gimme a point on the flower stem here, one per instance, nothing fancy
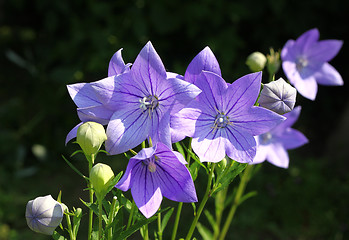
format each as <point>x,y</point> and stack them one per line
<point>240,191</point>
<point>202,204</point>
<point>131,214</point>
<point>111,218</point>
<point>89,185</point>
<point>178,215</point>
<point>159,226</point>
<point>71,234</point>
<point>100,212</point>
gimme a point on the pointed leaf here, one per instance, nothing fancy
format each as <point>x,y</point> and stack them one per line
<point>204,232</point>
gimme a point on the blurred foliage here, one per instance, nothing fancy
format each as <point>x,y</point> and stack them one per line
<point>45,45</point>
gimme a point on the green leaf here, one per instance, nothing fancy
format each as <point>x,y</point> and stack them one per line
<point>204,232</point>
<point>228,175</point>
<point>247,196</point>
<point>134,228</point>
<point>57,236</point>
<point>74,168</point>
<point>210,218</point>
<point>179,148</point>
<point>166,218</point>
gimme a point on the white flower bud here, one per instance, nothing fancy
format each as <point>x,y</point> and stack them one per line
<point>44,214</point>
<point>278,96</point>
<point>256,61</point>
<point>90,136</point>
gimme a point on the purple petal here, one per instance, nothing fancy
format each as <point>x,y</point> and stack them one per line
<point>99,114</point>
<point>117,65</point>
<point>133,166</point>
<point>306,87</point>
<point>184,122</point>
<point>175,94</point>
<point>292,138</point>
<point>241,146</point>
<point>256,121</point>
<point>204,61</point>
<point>328,75</point>
<point>286,53</point>
<point>104,90</point>
<point>148,70</point>
<point>324,51</point>
<point>307,39</point>
<point>127,129</point>
<point>173,177</point>
<point>278,156</point>
<point>72,133</point>
<point>146,191</point>
<point>261,153</point>
<point>210,146</point>
<point>213,88</point>
<point>160,130</point>
<point>242,94</point>
<point>291,118</point>
<point>83,95</point>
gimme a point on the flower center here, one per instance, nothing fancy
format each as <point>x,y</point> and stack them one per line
<point>301,63</point>
<point>265,138</point>
<point>151,166</point>
<point>149,103</point>
<point>221,121</point>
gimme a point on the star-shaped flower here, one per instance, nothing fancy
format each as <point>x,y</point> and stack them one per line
<point>305,62</point>
<point>156,172</point>
<point>273,145</point>
<point>223,120</point>
<point>90,107</point>
<point>142,101</point>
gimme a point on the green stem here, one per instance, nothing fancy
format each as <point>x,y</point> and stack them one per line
<point>189,150</point>
<point>159,226</point>
<point>146,235</point>
<point>220,199</point>
<point>202,204</point>
<point>178,215</point>
<point>111,218</point>
<point>70,230</point>
<point>240,191</point>
<point>131,214</point>
<point>100,213</point>
<point>89,185</point>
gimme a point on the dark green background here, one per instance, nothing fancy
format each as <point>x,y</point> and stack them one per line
<point>45,45</point>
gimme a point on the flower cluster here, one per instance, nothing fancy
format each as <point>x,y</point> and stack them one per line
<point>228,123</point>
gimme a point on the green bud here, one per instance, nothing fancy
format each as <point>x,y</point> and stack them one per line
<point>90,137</point>
<point>256,61</point>
<point>273,64</point>
<point>100,177</point>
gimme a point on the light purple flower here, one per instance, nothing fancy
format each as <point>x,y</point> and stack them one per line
<point>156,172</point>
<point>90,107</point>
<point>273,145</point>
<point>223,120</point>
<point>142,100</point>
<point>305,62</point>
<point>278,96</point>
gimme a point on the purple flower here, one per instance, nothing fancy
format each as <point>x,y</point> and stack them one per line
<point>223,120</point>
<point>305,62</point>
<point>142,101</point>
<point>90,107</point>
<point>273,145</point>
<point>156,172</point>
